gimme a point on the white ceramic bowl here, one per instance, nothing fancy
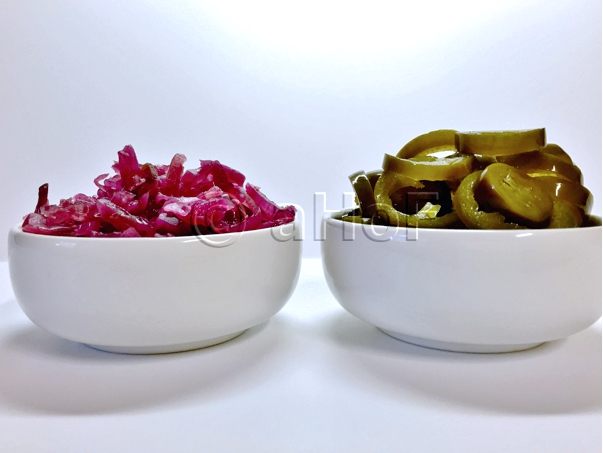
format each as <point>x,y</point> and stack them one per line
<point>153,295</point>
<point>466,290</point>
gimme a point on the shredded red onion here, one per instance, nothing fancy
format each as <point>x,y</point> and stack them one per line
<point>159,201</point>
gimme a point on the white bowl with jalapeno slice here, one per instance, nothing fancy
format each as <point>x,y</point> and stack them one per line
<point>498,255</point>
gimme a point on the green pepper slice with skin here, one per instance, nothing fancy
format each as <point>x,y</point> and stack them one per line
<point>514,194</point>
<point>566,216</point>
<point>439,153</point>
<point>500,143</point>
<point>364,193</point>
<point>429,143</point>
<point>558,152</point>
<point>469,210</point>
<point>373,176</point>
<point>387,184</point>
<point>538,160</point>
<point>427,168</point>
<point>564,189</point>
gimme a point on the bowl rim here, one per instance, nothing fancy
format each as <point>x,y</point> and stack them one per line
<point>17,229</point>
<point>330,218</point>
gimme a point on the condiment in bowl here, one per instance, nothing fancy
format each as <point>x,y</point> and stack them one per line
<point>466,290</point>
<point>153,295</point>
<point>469,241</point>
<point>159,260</point>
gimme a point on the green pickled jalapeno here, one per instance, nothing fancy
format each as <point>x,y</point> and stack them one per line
<point>500,143</point>
<point>364,193</point>
<point>481,180</point>
<point>507,190</point>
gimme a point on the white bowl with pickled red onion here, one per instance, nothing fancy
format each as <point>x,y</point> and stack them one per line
<point>153,295</point>
<point>159,260</point>
<point>466,290</point>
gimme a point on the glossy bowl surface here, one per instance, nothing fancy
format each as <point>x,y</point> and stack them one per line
<point>153,295</point>
<point>466,290</point>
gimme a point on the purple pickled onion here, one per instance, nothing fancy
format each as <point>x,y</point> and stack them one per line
<point>162,169</point>
<point>167,224</point>
<point>269,209</point>
<point>216,214</point>
<point>128,168</point>
<point>88,228</point>
<point>212,192</point>
<point>122,198</point>
<point>150,172</point>
<point>179,207</point>
<point>140,205</point>
<point>42,197</point>
<point>108,186</point>
<point>221,175</point>
<point>210,173</point>
<point>130,233</point>
<point>79,207</point>
<point>223,215</point>
<point>99,179</point>
<point>171,185</point>
<point>56,214</point>
<point>36,223</point>
<point>121,220</point>
<point>159,201</point>
<point>272,214</point>
<point>193,183</point>
<point>283,216</point>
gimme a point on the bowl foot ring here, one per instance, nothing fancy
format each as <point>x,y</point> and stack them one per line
<point>181,347</point>
<point>461,347</point>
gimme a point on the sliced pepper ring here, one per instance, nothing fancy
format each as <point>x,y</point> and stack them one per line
<point>364,193</point>
<point>558,152</point>
<point>431,142</point>
<point>539,160</point>
<point>387,184</point>
<point>500,143</point>
<point>566,215</point>
<point>427,168</point>
<point>469,211</point>
<point>373,176</point>
<point>564,189</point>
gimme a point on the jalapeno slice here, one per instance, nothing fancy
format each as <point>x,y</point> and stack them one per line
<point>390,182</point>
<point>558,152</point>
<point>364,193</point>
<point>513,194</point>
<point>428,168</point>
<point>538,160</point>
<point>500,143</point>
<point>562,188</point>
<point>429,143</point>
<point>470,212</point>
<point>373,176</point>
<point>566,216</point>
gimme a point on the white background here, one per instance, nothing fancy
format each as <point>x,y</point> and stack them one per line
<point>296,95</point>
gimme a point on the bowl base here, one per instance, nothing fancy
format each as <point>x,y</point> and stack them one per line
<point>461,347</point>
<point>181,347</point>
